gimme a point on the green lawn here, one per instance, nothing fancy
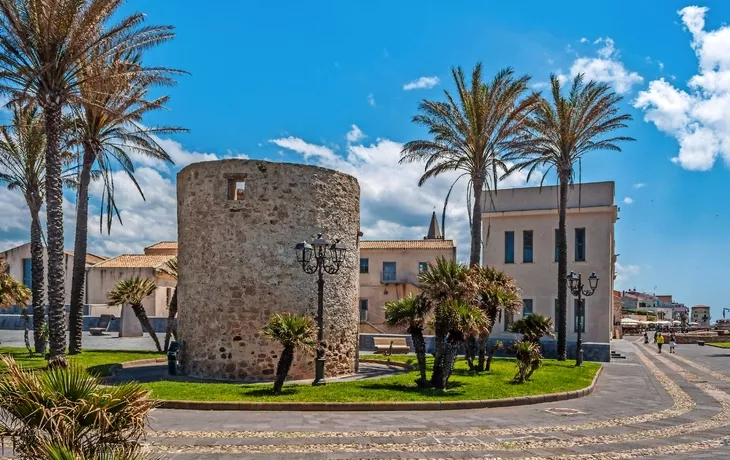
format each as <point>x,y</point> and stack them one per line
<point>719,344</point>
<point>553,377</point>
<point>97,362</point>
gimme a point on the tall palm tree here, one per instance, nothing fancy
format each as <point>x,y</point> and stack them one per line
<point>132,292</point>
<point>106,129</point>
<point>43,48</point>
<point>171,268</point>
<point>562,130</point>
<point>22,167</point>
<point>470,133</point>
<point>411,313</point>
<point>292,331</point>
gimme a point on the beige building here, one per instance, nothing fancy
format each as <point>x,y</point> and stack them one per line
<point>19,261</point>
<point>102,277</point>
<point>389,271</point>
<point>701,315</point>
<point>519,234</point>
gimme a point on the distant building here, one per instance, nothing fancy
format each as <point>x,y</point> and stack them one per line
<point>701,315</point>
<point>389,270</point>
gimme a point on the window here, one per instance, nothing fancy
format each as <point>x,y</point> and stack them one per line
<point>422,267</point>
<point>556,318</point>
<point>363,309</point>
<point>557,245</point>
<point>388,271</point>
<point>28,273</point>
<point>580,244</point>
<point>578,318</point>
<point>526,307</point>
<point>527,246</point>
<point>236,188</point>
<point>364,265</point>
<point>509,318</point>
<point>509,247</point>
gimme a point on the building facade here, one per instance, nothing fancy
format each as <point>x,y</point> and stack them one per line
<point>519,233</point>
<point>701,315</point>
<point>389,271</point>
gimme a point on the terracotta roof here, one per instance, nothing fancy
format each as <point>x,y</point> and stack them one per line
<point>163,245</point>
<point>135,261</point>
<point>407,244</point>
<point>91,259</point>
<point>700,306</point>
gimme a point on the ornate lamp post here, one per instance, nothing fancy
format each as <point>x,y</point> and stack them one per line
<point>317,257</point>
<point>577,288</point>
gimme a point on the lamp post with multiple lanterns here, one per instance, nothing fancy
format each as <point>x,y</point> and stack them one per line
<point>320,256</point>
<point>578,289</point>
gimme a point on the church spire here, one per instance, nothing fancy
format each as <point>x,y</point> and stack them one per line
<point>434,233</point>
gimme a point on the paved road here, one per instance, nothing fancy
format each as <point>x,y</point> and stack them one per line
<point>648,406</point>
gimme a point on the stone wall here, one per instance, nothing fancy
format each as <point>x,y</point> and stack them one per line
<point>237,264</point>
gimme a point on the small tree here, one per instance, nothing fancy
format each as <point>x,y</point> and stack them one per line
<point>171,269</point>
<point>411,312</point>
<point>292,331</point>
<point>13,292</point>
<point>533,327</point>
<point>529,359</point>
<point>133,291</point>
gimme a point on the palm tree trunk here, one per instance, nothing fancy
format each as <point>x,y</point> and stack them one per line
<point>145,322</point>
<point>54,222</point>
<point>282,368</point>
<point>438,360</point>
<point>562,268</point>
<point>484,339</point>
<point>419,345</point>
<point>172,312</point>
<point>78,277</point>
<point>451,348</point>
<point>36,262</point>
<point>471,348</point>
<point>476,223</point>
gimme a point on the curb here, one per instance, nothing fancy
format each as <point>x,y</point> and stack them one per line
<point>379,406</point>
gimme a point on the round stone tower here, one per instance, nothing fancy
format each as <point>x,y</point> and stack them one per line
<point>238,223</point>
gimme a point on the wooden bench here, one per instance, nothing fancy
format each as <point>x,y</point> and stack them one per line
<point>391,345</point>
<point>104,322</point>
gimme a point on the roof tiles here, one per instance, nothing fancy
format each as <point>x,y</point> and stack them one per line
<point>407,244</point>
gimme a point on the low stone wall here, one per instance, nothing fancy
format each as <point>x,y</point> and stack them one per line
<point>707,337</point>
<point>15,322</point>
<point>592,351</point>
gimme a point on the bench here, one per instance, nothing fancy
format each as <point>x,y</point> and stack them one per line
<point>104,322</point>
<point>391,345</point>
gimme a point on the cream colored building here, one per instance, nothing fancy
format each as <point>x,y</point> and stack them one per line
<point>519,234</point>
<point>19,261</point>
<point>701,315</point>
<point>103,276</point>
<point>389,271</point>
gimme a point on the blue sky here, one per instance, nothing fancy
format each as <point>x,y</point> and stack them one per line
<point>325,82</point>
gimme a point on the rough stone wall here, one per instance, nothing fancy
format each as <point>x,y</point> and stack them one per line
<point>237,265</point>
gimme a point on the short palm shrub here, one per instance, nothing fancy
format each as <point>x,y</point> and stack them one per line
<point>529,359</point>
<point>292,331</point>
<point>495,348</point>
<point>69,411</point>
<point>533,327</point>
<point>133,291</point>
<point>411,312</point>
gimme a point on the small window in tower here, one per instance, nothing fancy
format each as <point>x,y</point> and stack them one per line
<point>236,189</point>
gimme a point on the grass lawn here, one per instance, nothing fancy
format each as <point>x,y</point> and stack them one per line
<point>719,344</point>
<point>97,362</point>
<point>553,377</point>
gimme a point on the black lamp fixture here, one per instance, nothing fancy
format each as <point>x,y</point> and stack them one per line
<point>577,288</point>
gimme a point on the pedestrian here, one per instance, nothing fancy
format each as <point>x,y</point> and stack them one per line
<point>646,337</point>
<point>660,342</point>
<point>672,342</point>
<point>656,334</point>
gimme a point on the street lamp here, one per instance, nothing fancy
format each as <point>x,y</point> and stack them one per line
<point>577,288</point>
<point>317,257</point>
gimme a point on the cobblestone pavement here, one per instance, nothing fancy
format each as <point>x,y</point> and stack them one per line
<point>648,406</point>
<point>108,341</point>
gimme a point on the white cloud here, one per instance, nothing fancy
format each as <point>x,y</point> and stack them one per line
<point>583,40</point>
<point>699,117</point>
<point>371,100</point>
<point>640,185</point>
<point>606,67</point>
<point>355,134</point>
<point>306,149</point>
<point>628,200</point>
<point>421,83</point>
<point>624,274</point>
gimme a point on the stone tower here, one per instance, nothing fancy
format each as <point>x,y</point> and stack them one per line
<point>238,223</point>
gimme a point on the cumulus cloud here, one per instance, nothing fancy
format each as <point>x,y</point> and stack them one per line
<point>624,275</point>
<point>698,117</point>
<point>628,200</point>
<point>640,185</point>
<point>355,134</point>
<point>371,100</point>
<point>421,83</point>
<point>606,67</point>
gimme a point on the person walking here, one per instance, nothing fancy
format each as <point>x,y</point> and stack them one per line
<point>646,337</point>
<point>672,342</point>
<point>656,334</point>
<point>660,342</point>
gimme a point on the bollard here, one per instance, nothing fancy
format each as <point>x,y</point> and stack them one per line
<point>172,358</point>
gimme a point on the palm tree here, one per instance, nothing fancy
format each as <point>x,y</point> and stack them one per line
<point>12,292</point>
<point>292,331</point>
<point>22,167</point>
<point>496,292</point>
<point>561,131</point>
<point>471,133</point>
<point>43,48</point>
<point>528,359</point>
<point>171,268</point>
<point>411,313</point>
<point>132,292</point>
<point>106,128</point>
<point>533,327</point>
